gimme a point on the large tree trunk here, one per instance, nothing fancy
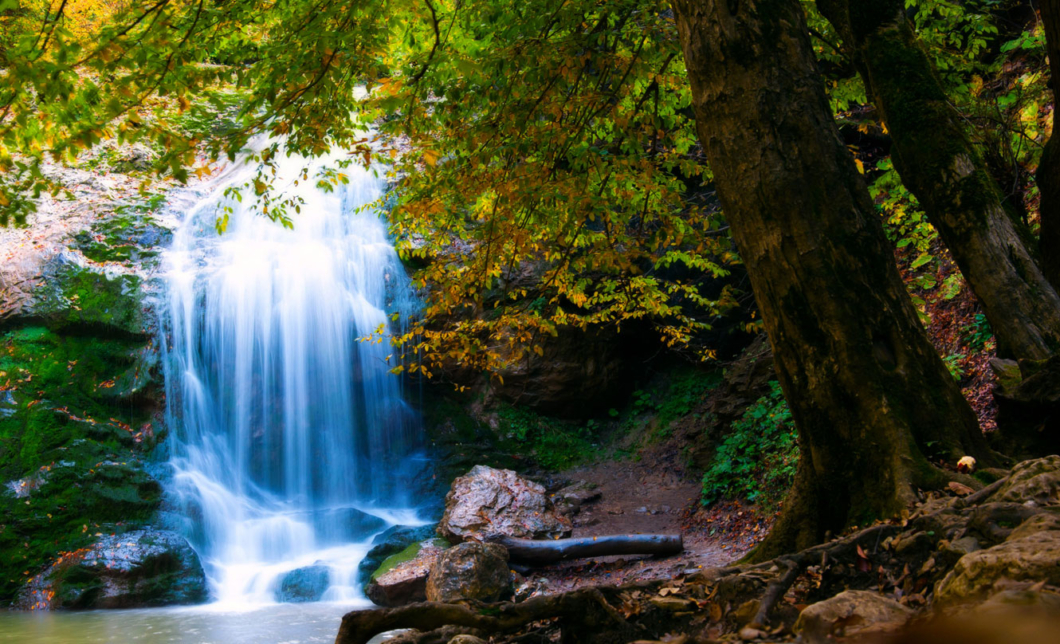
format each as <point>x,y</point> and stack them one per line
<point>867,391</point>
<point>941,166</point>
<point>1049,168</point>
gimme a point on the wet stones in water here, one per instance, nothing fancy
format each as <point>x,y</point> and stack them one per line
<point>304,584</point>
<point>136,569</point>
<point>470,571</point>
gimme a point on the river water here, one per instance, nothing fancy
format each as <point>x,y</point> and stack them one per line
<point>314,623</point>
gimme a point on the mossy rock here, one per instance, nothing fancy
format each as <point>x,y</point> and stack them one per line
<point>78,298</point>
<point>68,447</point>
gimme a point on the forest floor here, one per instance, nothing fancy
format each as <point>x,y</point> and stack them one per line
<point>652,494</point>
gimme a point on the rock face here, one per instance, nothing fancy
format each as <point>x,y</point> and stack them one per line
<point>1037,481</point>
<point>137,569</point>
<point>389,543</point>
<point>1030,557</point>
<point>402,577</point>
<point>854,613</point>
<point>487,502</point>
<point>470,571</point>
<point>304,585</point>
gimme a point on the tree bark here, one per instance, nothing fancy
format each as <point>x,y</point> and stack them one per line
<point>1048,176</point>
<point>867,390</point>
<point>941,166</point>
<point>538,552</point>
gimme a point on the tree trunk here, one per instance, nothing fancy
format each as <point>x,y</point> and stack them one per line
<point>867,390</point>
<point>940,165</point>
<point>1048,176</point>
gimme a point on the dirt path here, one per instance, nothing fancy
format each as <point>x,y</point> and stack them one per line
<point>649,495</point>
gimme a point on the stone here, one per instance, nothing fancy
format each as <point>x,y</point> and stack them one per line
<point>137,569</point>
<point>390,542</point>
<point>1036,480</point>
<point>470,571</point>
<point>402,578</point>
<point>851,613</point>
<point>467,639</point>
<point>1032,557</point>
<point>1035,524</point>
<point>306,584</point>
<point>570,499</point>
<point>487,502</point>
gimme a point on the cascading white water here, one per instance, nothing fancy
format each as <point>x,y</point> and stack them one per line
<point>292,433</point>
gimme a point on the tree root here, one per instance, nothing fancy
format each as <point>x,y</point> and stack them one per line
<point>583,613</point>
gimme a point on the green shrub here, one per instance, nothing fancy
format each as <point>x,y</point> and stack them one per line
<point>553,444</point>
<point>757,460</point>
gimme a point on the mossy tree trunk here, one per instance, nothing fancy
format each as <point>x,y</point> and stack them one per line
<point>1048,176</point>
<point>867,391</point>
<point>940,165</point>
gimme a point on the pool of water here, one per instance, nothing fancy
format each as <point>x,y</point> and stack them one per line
<point>315,623</point>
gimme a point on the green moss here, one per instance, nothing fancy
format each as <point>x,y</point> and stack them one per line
<point>72,445</point>
<point>78,297</point>
<point>408,554</point>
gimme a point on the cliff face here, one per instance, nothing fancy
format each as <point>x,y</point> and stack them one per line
<point>81,392</point>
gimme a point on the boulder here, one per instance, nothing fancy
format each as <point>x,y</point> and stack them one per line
<point>402,577</point>
<point>1033,556</point>
<point>387,543</point>
<point>487,502</point>
<point>851,613</point>
<point>1037,480</point>
<point>571,498</point>
<point>470,571</point>
<point>136,569</point>
<point>306,584</point>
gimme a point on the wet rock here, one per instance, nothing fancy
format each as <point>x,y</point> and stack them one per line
<point>304,584</point>
<point>136,569</point>
<point>1031,557</point>
<point>402,577</point>
<point>388,543</point>
<point>488,502</point>
<point>851,613</point>
<point>470,571</point>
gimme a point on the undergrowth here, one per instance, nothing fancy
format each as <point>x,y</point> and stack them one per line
<point>553,444</point>
<point>757,461</point>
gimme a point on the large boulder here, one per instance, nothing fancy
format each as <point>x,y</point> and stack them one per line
<point>306,584</point>
<point>470,571</point>
<point>402,577</point>
<point>1037,480</point>
<point>851,613</point>
<point>388,543</point>
<point>1031,556</point>
<point>487,502</point>
<point>132,570</point>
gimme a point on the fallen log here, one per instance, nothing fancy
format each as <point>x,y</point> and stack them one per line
<point>530,551</point>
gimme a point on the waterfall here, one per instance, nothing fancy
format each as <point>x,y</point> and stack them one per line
<point>293,440</point>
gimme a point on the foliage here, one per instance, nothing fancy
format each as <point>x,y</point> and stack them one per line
<point>677,399</point>
<point>758,458</point>
<point>553,444</point>
<point>547,158</point>
<point>978,333</point>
